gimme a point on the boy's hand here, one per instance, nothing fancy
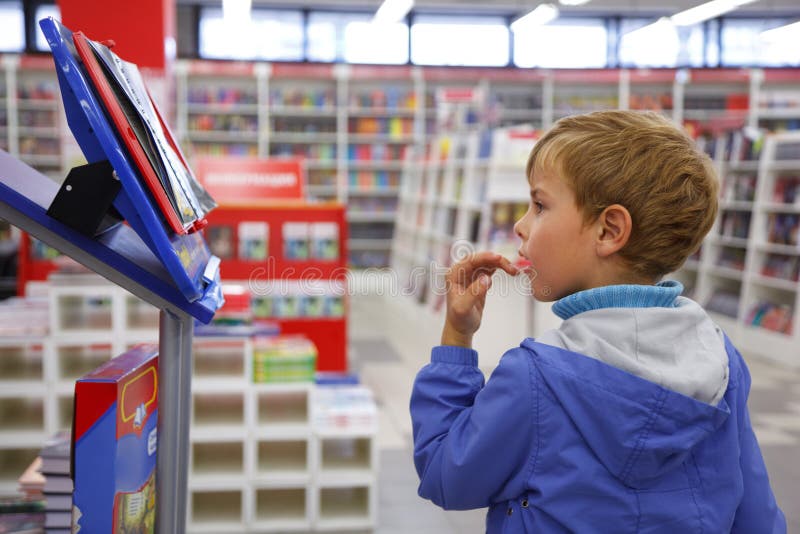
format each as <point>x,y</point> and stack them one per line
<point>468,281</point>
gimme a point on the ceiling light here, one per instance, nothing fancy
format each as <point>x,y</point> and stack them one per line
<point>664,24</point>
<point>393,10</point>
<point>706,11</point>
<point>573,2</point>
<point>540,16</point>
<point>782,33</point>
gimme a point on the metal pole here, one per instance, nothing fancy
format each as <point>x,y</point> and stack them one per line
<point>174,410</point>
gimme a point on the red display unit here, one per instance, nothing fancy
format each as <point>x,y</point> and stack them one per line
<point>31,266</point>
<point>292,257</point>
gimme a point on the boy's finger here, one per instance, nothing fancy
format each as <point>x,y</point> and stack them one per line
<point>483,262</point>
<point>474,295</point>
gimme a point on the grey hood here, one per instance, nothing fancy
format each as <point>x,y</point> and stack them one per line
<point>679,348</point>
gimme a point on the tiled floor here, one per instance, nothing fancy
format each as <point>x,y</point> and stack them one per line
<point>391,339</point>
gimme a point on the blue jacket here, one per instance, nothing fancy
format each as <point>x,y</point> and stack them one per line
<point>556,441</point>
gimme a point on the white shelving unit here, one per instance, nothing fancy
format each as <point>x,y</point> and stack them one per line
<point>24,418</point>
<point>260,460</point>
<point>773,253</point>
<point>747,275</point>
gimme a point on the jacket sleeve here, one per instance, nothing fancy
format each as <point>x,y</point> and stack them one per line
<point>472,441</point>
<point>758,511</point>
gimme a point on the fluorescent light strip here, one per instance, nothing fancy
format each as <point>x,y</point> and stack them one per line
<point>540,16</point>
<point>706,11</point>
<point>654,27</point>
<point>782,33</point>
<point>393,11</point>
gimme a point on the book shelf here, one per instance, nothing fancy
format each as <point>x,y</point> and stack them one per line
<point>770,298</point>
<point>354,123</point>
<point>306,119</point>
<point>522,98</point>
<point>218,109</point>
<point>715,95</point>
<point>31,114</point>
<point>748,268</point>
<point>588,90</point>
<point>775,94</point>
<point>383,120</point>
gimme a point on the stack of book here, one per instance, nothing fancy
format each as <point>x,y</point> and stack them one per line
<point>57,483</point>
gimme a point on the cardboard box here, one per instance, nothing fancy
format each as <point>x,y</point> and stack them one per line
<point>114,444</point>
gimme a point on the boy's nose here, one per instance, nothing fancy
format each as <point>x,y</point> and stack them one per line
<point>518,229</point>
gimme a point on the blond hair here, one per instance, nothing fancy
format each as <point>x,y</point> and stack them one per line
<point>645,163</point>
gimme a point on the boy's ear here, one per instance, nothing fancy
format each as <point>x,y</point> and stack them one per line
<point>614,229</point>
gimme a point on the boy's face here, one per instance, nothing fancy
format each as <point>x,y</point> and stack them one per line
<point>555,240</point>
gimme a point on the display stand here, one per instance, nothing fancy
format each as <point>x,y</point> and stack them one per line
<point>170,270</point>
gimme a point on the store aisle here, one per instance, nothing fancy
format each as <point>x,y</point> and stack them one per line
<point>391,339</point>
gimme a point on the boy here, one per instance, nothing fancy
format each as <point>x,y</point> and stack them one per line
<point>632,416</point>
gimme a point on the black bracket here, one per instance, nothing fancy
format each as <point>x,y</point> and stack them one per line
<point>85,200</point>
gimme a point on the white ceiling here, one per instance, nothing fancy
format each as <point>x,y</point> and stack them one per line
<point>760,8</point>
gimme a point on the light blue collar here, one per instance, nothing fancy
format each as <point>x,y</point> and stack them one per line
<point>661,295</point>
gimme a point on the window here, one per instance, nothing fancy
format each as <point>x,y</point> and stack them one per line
<point>743,46</point>
<point>450,40</point>
<point>712,43</point>
<point>12,38</point>
<point>43,11</point>
<point>268,34</point>
<point>352,37</point>
<point>369,42</point>
<point>662,44</point>
<point>554,45</point>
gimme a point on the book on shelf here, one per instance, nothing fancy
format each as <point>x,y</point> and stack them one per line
<point>772,316</point>
<point>786,190</point>
<point>783,228</point>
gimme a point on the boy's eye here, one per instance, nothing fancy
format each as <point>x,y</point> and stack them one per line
<point>537,206</point>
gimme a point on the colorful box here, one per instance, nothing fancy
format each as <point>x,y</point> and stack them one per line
<point>284,358</point>
<point>114,444</point>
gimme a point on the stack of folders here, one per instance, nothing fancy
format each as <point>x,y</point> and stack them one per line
<point>57,483</point>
